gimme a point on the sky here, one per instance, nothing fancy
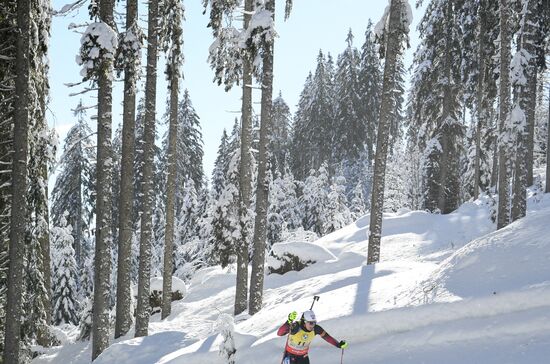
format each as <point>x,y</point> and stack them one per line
<point>313,25</point>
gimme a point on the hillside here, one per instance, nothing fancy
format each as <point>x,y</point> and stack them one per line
<point>449,289</point>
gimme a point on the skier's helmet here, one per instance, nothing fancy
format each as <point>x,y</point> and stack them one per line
<point>309,316</point>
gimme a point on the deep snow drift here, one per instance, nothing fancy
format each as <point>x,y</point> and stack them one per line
<point>449,289</point>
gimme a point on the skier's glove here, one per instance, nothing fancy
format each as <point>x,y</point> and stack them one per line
<point>343,345</point>
<point>292,317</point>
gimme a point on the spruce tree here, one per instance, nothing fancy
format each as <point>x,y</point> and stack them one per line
<point>280,140</point>
<point>370,85</point>
<point>14,307</point>
<point>74,187</point>
<point>436,108</point>
<point>64,289</point>
<point>338,214</point>
<point>349,129</point>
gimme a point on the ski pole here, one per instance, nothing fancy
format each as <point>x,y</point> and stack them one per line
<point>342,357</point>
<point>315,298</point>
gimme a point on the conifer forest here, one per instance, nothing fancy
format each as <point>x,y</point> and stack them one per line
<point>98,228</point>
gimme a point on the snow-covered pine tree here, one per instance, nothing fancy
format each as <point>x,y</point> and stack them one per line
<point>337,212</point>
<point>34,322</point>
<point>301,144</point>
<point>86,278</point>
<point>314,200</point>
<point>395,193</point>
<point>284,211</point>
<point>41,156</point>
<point>370,85</point>
<point>314,120</point>
<point>480,30</point>
<point>436,103</point>
<point>218,173</point>
<point>321,113</point>
<point>275,221</point>
<point>349,128</point>
<point>189,148</point>
<point>74,188</point>
<point>64,288</point>
<point>357,203</point>
<point>226,326</point>
<point>158,240</point>
<point>280,138</point>
<point>225,218</point>
<point>187,244</point>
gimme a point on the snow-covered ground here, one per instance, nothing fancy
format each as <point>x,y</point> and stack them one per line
<point>449,289</point>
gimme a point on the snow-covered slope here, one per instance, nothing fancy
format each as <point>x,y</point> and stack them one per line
<point>449,289</point>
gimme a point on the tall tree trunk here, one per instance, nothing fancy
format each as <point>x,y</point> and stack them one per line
<point>241,289</point>
<point>14,307</point>
<point>526,99</point>
<point>124,299</point>
<point>494,167</point>
<point>449,189</point>
<point>170,195</point>
<point>78,219</point>
<point>143,306</point>
<point>503,218</point>
<point>531,106</point>
<point>480,100</point>
<point>262,189</point>
<point>394,33</point>
<point>547,189</point>
<point>102,274</point>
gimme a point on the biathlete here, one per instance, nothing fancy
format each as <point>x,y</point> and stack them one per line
<point>301,334</point>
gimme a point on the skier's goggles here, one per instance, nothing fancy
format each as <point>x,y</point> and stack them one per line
<point>311,322</point>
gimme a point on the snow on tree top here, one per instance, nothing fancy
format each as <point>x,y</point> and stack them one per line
<point>407,20</point>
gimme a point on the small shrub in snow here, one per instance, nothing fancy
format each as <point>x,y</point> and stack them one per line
<point>179,290</point>
<point>287,263</point>
<point>295,256</point>
<point>226,326</point>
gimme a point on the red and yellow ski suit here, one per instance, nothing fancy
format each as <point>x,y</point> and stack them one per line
<point>299,339</point>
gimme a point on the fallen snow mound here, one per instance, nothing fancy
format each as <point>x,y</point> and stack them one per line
<point>514,258</point>
<point>307,253</point>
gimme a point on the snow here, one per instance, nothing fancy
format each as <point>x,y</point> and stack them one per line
<point>407,19</point>
<point>307,252</point>
<point>449,289</point>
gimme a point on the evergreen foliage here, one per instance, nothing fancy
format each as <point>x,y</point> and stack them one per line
<point>74,190</point>
<point>64,273</point>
